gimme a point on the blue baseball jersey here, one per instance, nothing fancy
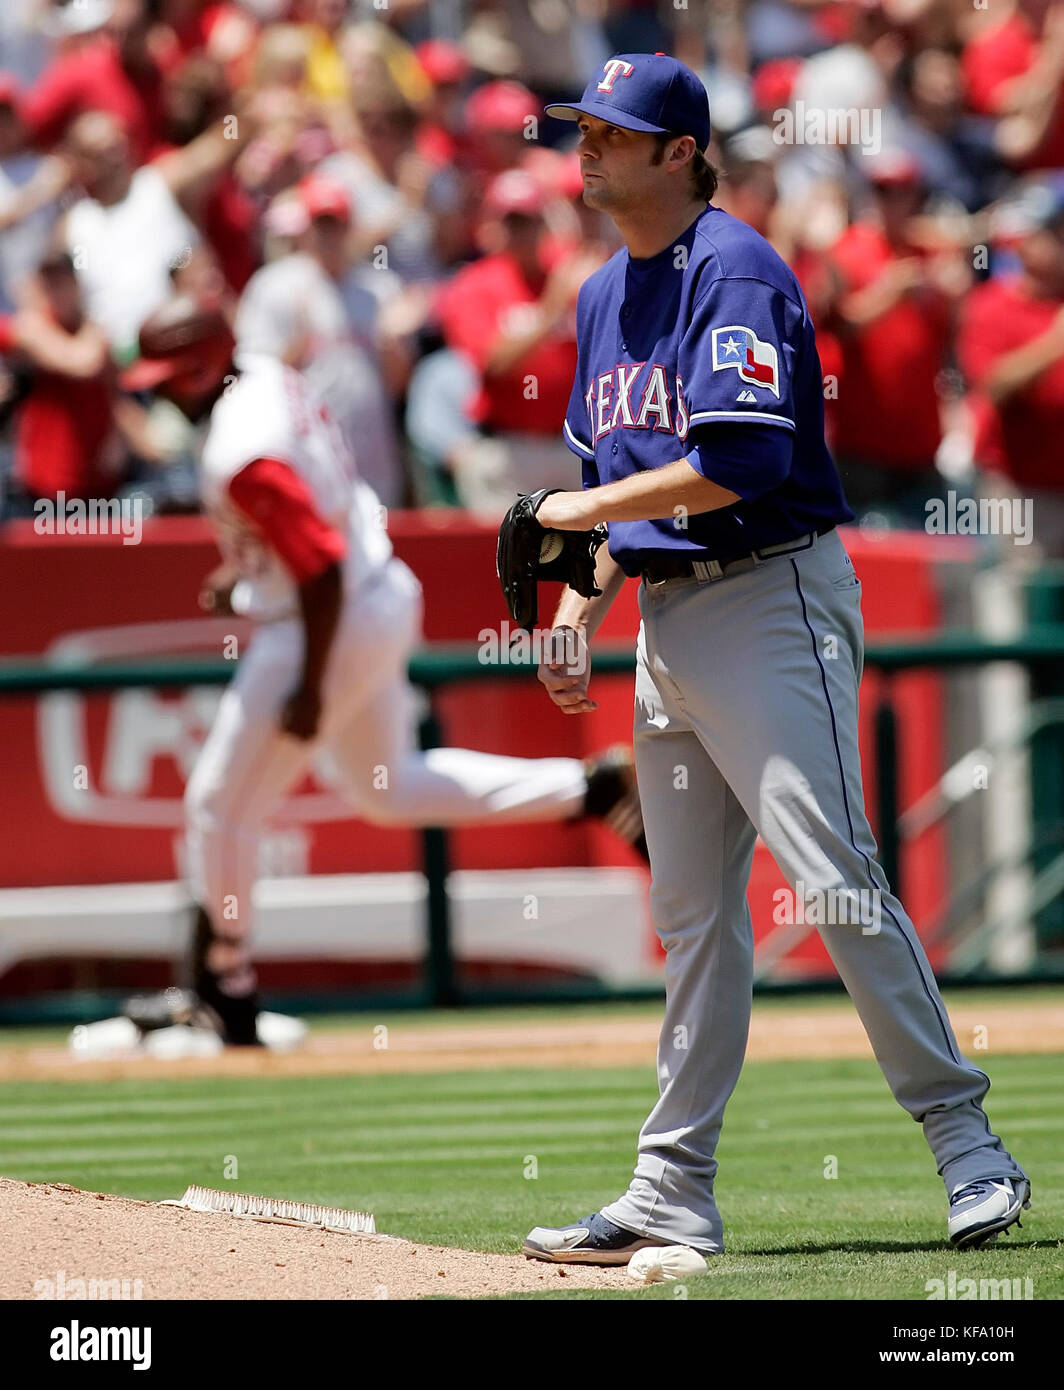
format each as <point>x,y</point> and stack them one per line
<point>706,352</point>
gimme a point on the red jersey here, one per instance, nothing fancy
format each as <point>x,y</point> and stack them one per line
<point>991,60</point>
<point>473,309</point>
<point>61,428</point>
<point>890,365</point>
<point>1024,436</point>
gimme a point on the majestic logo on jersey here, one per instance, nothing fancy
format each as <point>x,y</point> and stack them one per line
<point>615,68</point>
<point>755,361</point>
<point>615,400</point>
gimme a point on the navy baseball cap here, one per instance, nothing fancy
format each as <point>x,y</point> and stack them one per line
<point>644,91</point>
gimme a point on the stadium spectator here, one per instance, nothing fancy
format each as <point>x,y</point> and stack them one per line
<point>512,314</point>
<point>1011,347</point>
<point>108,66</point>
<point>197,98</point>
<point>404,203</point>
<point>131,229</point>
<point>29,188</point>
<point>72,433</point>
<point>441,135</point>
<point>1014,69</point>
<point>326,73</point>
<point>954,147</point>
<point>320,313</point>
<point>502,119</point>
<point>893,316</point>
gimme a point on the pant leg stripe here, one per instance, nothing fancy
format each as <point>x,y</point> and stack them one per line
<point>849,821</point>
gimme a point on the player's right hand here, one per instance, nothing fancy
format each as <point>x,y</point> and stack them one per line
<point>216,591</point>
<point>565,671</point>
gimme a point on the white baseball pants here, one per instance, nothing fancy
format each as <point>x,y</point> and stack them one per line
<point>247,764</point>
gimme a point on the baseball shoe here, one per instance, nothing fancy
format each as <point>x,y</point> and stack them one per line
<point>980,1211</point>
<point>612,795</point>
<point>235,1014</point>
<point>593,1241</point>
<point>169,1008</point>
<point>234,1021</point>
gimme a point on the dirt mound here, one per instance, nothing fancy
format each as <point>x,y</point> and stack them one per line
<point>88,1244</point>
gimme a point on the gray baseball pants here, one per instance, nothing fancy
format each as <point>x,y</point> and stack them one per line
<point>746,725</point>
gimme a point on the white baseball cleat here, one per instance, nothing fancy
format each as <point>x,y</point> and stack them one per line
<point>980,1211</point>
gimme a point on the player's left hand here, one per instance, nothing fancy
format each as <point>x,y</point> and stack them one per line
<point>301,713</point>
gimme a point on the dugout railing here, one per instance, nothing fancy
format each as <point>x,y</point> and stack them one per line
<point>1040,650</point>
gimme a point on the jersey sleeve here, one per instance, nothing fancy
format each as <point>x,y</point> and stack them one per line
<point>278,502</point>
<point>576,430</point>
<point>747,459</point>
<point>577,433</point>
<point>737,358</point>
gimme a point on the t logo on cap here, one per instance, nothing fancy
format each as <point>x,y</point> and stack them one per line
<point>616,67</point>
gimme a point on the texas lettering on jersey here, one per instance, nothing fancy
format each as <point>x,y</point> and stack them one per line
<point>636,396</point>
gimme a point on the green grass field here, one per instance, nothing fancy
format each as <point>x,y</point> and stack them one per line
<point>448,1159</point>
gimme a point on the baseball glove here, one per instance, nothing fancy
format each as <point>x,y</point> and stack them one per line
<point>529,552</point>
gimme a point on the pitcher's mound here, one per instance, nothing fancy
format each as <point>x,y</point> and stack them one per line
<point>61,1242</point>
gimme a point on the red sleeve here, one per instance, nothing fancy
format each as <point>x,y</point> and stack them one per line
<point>276,499</point>
<point>7,333</point>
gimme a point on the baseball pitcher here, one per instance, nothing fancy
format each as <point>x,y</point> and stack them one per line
<point>697,415</point>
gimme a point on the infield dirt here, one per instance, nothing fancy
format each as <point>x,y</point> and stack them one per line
<point>776,1034</point>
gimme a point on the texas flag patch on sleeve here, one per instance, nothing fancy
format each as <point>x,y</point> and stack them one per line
<point>756,362</point>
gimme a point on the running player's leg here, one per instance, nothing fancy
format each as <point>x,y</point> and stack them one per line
<point>371,736</point>
<point>701,845</point>
<point>246,764</point>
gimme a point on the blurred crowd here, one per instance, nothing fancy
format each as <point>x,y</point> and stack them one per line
<point>373,193</point>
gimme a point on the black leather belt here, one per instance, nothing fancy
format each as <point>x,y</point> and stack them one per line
<point>685,565</point>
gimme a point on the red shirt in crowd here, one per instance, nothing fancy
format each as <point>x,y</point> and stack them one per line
<point>91,77</point>
<point>887,411</point>
<point>1025,436</point>
<point>61,429</point>
<point>991,60</point>
<point>473,309</point>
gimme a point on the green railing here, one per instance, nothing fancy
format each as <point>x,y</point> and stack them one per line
<point>444,664</point>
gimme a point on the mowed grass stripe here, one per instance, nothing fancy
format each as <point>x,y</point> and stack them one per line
<point>770,1081</point>
<point>359,1103</point>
